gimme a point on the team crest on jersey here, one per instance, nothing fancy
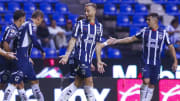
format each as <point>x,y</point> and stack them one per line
<point>160,36</point>
<point>12,31</point>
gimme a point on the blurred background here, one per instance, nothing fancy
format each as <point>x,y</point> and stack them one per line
<point>120,19</point>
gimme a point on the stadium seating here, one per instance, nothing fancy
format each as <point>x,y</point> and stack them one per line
<point>2,8</point>
<point>110,9</point>
<point>46,19</point>
<point>98,1</point>
<point>73,18</point>
<point>133,30</point>
<point>13,6</point>
<point>60,19</point>
<point>113,1</point>
<point>62,8</point>
<point>62,51</point>
<point>139,20</point>
<point>123,20</point>
<point>46,8</point>
<point>29,7</point>
<point>114,53</point>
<point>128,1</point>
<point>172,9</point>
<point>8,18</point>
<point>160,1</point>
<point>141,9</point>
<point>50,53</point>
<point>35,53</point>
<point>126,9</point>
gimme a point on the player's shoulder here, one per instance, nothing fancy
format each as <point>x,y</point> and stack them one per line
<point>11,28</point>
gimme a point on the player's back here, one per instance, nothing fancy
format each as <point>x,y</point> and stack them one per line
<point>24,43</point>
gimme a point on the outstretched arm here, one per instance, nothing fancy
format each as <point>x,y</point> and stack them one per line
<point>173,54</point>
<point>69,50</point>
<point>126,40</point>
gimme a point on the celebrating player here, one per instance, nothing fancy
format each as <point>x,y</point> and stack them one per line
<point>153,38</point>
<point>26,40</point>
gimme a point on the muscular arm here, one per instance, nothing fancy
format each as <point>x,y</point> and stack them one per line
<point>70,46</point>
<point>98,51</point>
<point>6,46</point>
<point>172,52</point>
<point>126,40</point>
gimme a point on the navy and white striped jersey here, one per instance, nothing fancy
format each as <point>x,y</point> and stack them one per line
<point>10,36</point>
<point>87,35</point>
<point>27,37</point>
<point>153,42</point>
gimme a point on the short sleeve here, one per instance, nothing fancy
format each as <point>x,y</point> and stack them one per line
<point>10,34</point>
<point>76,30</point>
<point>99,33</point>
<point>139,35</point>
<point>166,39</point>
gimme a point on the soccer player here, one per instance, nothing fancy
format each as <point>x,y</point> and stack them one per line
<point>87,33</point>
<point>9,43</point>
<point>153,38</point>
<point>26,40</point>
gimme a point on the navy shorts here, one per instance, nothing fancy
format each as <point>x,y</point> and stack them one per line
<point>6,67</point>
<point>25,72</point>
<point>152,72</point>
<point>80,69</point>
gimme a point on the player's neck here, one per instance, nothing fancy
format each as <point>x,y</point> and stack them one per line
<point>34,21</point>
<point>17,24</point>
<point>155,27</point>
<point>92,20</point>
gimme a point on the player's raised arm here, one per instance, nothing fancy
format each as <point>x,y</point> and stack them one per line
<point>125,40</point>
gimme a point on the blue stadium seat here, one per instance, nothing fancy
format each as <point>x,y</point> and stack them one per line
<point>126,9</point>
<point>139,20</point>
<point>35,53</point>
<point>46,19</point>
<point>60,19</point>
<point>113,1</point>
<point>2,8</point>
<point>8,18</point>
<point>172,9</point>
<point>51,1</point>
<point>62,51</point>
<point>62,8</point>
<point>102,54</point>
<point>141,9</point>
<point>28,16</point>
<point>36,1</point>
<point>159,1</point>
<point>46,8</point>
<point>173,1</point>
<point>128,1</point>
<point>114,53</point>
<point>133,30</point>
<point>50,53</point>
<point>98,1</point>
<point>110,9</point>
<point>73,18</point>
<point>123,20</point>
<point>4,0</point>
<point>13,6</point>
<point>29,7</point>
<point>19,0</point>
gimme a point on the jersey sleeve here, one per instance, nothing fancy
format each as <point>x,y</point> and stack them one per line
<point>166,39</point>
<point>32,34</point>
<point>76,30</point>
<point>139,35</point>
<point>99,34</point>
<point>9,34</point>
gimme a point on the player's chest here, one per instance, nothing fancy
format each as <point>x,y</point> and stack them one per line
<point>153,36</point>
<point>90,30</point>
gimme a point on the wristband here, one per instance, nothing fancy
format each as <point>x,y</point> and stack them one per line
<point>105,43</point>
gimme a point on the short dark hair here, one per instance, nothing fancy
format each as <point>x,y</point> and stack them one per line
<point>37,13</point>
<point>175,20</point>
<point>154,15</point>
<point>18,14</point>
<point>91,4</point>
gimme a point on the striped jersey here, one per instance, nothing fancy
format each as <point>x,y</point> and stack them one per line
<point>27,37</point>
<point>87,35</point>
<point>153,42</point>
<point>10,36</point>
